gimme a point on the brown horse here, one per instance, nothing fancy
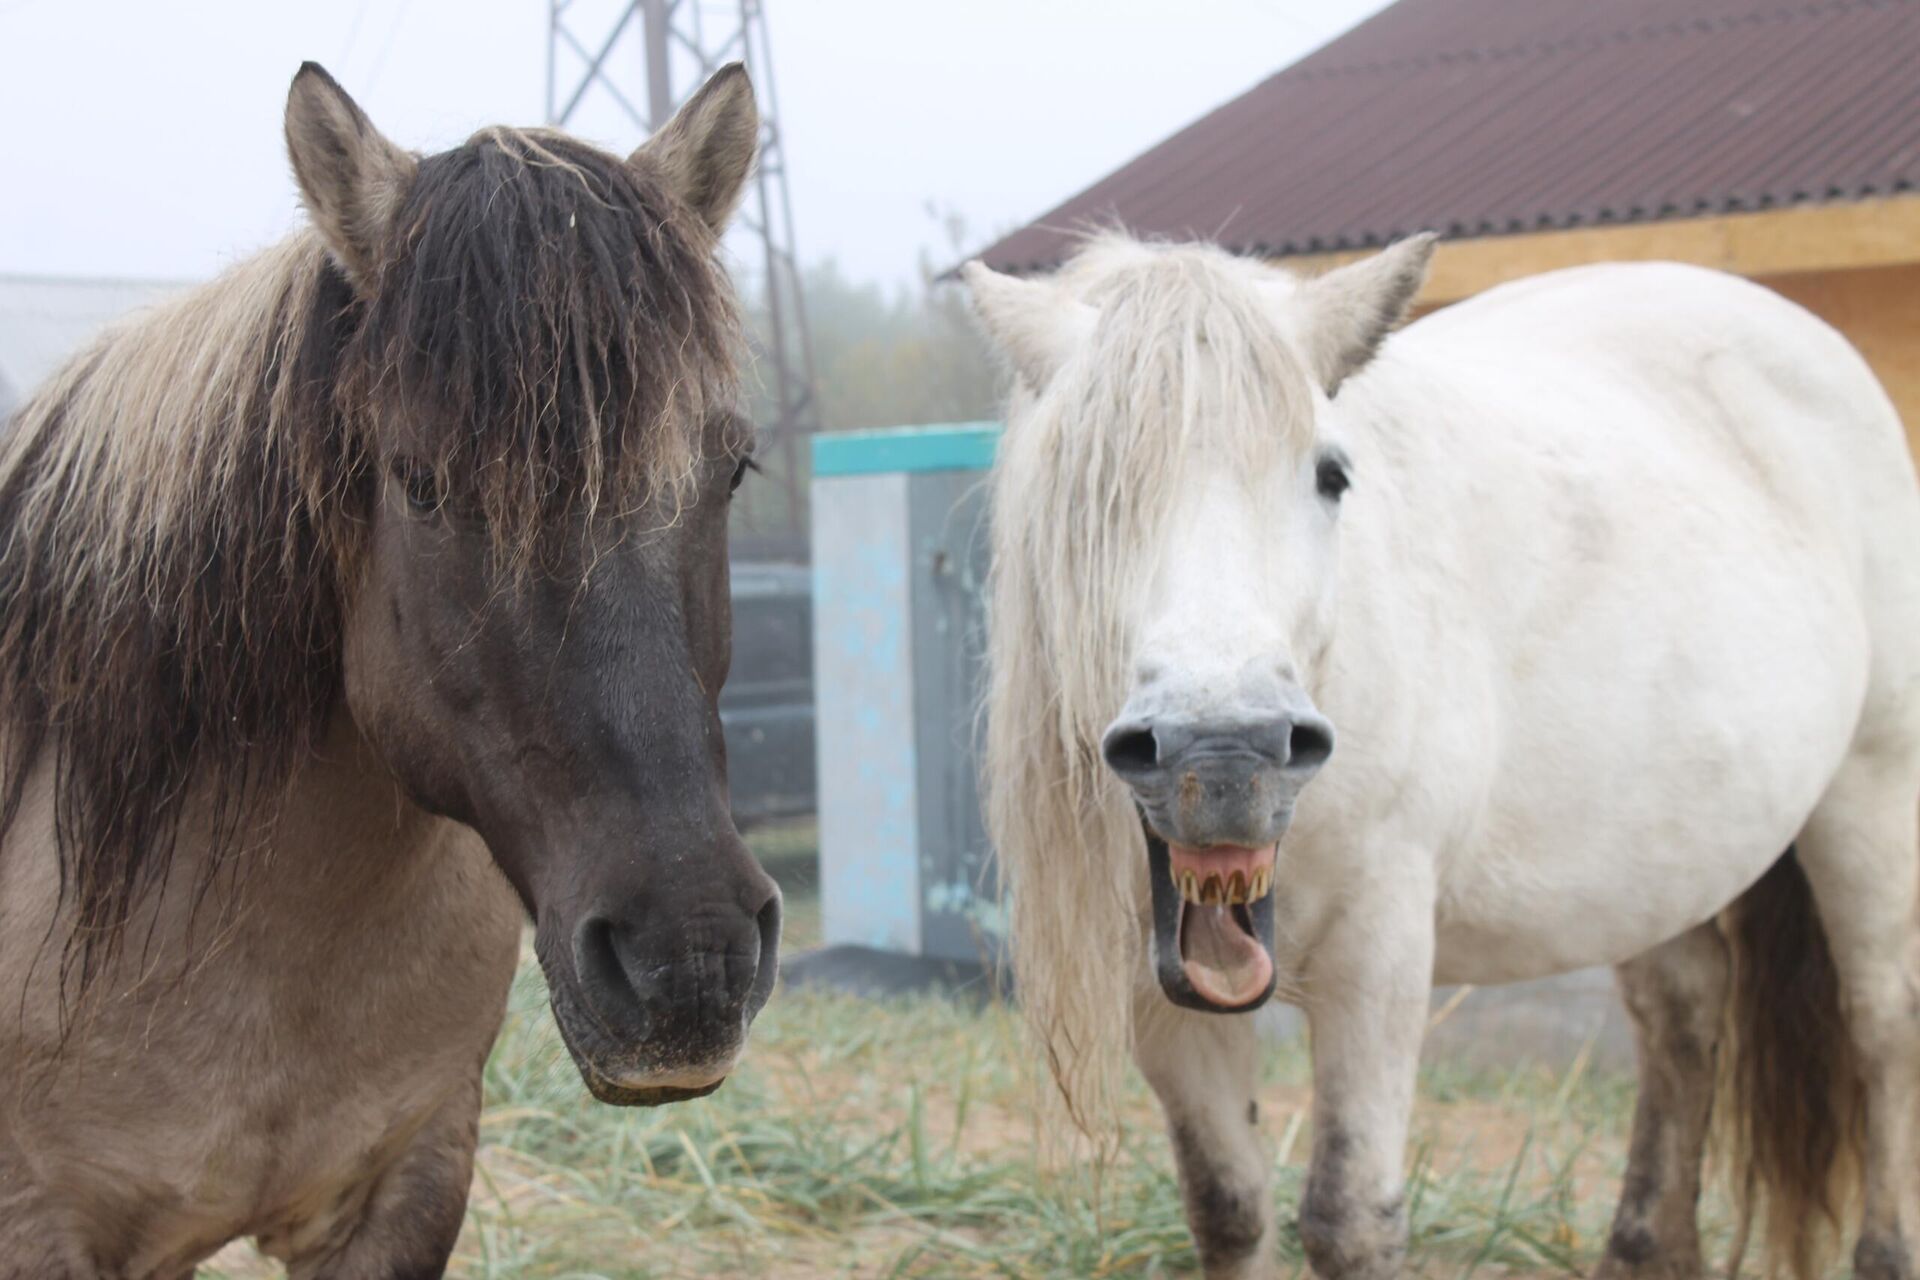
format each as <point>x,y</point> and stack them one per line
<point>374,586</point>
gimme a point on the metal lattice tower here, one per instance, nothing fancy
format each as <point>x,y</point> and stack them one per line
<point>620,65</point>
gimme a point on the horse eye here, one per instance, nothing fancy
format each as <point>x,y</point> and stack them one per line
<point>745,465</point>
<point>419,482</point>
<point>1331,479</point>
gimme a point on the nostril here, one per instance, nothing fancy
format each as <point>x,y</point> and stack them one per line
<point>594,959</point>
<point>1308,745</point>
<point>768,920</point>
<point>1131,749</point>
<point>601,972</point>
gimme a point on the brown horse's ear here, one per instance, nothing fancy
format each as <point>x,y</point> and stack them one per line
<point>350,176</point>
<point>1350,310</point>
<point>705,152</point>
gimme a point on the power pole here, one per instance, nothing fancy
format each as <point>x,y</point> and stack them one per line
<point>609,56</point>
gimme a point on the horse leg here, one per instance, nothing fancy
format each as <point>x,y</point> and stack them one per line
<point>1204,1067</point>
<point>26,1254</point>
<point>407,1228</point>
<point>1861,854</point>
<point>1675,995</point>
<point>1371,984</point>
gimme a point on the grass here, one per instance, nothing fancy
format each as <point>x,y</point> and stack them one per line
<point>897,1140</point>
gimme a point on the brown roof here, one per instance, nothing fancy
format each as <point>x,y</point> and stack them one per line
<point>1487,117</point>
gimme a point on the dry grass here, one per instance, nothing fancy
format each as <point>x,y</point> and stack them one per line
<point>894,1140</point>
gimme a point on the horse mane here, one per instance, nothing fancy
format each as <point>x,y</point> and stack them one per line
<point>183,506</point>
<point>1186,359</point>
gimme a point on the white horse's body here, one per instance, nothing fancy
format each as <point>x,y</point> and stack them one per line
<point>1628,549</point>
<point>1624,601</point>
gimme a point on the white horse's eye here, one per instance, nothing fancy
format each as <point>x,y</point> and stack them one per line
<point>1331,479</point>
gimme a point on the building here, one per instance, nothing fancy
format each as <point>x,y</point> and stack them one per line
<point>1777,140</point>
<point>45,319</point>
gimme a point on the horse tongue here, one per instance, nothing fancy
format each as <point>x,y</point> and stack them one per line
<point>1224,962</point>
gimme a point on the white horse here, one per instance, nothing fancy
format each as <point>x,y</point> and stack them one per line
<point>1608,584</point>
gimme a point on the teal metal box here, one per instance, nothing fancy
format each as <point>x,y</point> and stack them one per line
<point>899,563</point>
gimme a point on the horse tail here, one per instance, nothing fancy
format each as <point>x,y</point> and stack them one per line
<point>1790,1123</point>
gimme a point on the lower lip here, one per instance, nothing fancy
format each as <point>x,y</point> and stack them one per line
<point>655,1097</point>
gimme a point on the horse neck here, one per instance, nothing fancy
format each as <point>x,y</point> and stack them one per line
<point>1402,570</point>
<point>358,898</point>
<point>352,862</point>
<point>341,861</point>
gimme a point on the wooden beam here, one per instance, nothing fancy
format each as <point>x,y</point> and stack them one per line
<point>1827,237</point>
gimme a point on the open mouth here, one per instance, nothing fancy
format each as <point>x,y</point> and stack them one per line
<point>1223,959</point>
<point>1212,924</point>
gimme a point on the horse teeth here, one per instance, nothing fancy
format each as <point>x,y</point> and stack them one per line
<point>1235,888</point>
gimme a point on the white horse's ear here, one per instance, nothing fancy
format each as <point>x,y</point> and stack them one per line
<point>352,179</point>
<point>1347,313</point>
<point>1036,324</point>
<point>705,152</point>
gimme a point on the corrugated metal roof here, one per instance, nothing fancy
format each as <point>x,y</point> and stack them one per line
<point>1489,117</point>
<point>45,319</point>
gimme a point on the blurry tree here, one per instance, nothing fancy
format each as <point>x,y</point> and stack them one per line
<point>883,357</point>
<point>892,357</point>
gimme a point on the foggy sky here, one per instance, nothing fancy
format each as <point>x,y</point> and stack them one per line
<point>143,139</point>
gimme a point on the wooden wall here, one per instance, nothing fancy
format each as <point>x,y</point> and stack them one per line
<point>1879,309</point>
<point>1856,264</point>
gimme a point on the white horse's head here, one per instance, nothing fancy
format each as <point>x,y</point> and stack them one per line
<point>1170,495</point>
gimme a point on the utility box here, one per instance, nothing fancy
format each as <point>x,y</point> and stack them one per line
<point>899,567</point>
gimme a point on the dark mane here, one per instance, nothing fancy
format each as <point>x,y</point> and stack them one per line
<point>182,507</point>
<point>556,324</point>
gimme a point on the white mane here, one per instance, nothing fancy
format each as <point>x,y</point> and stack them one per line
<point>1187,357</point>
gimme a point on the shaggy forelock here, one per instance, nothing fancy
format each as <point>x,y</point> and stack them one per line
<point>553,331</point>
<point>183,506</point>
<point>1186,362</point>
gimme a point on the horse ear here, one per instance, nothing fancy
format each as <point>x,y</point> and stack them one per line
<point>706,150</point>
<point>1036,324</point>
<point>350,176</point>
<point>1349,311</point>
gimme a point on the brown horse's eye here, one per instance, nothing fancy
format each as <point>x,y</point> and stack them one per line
<point>420,483</point>
<point>745,465</point>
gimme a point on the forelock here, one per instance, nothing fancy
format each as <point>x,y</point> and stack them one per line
<point>553,331</point>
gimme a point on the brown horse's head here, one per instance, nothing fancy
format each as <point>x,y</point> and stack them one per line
<point>536,370</point>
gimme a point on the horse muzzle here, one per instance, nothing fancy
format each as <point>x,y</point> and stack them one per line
<point>1205,782</point>
<point>1215,797</point>
<point>652,1020</point>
